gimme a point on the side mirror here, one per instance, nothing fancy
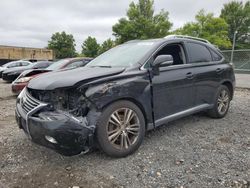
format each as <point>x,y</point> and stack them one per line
<point>164,60</point>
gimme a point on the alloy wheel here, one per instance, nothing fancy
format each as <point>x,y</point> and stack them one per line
<point>223,101</point>
<point>123,128</point>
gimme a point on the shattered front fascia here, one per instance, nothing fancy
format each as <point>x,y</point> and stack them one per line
<point>74,134</point>
<point>81,128</point>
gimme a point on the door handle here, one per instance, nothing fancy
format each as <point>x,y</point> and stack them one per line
<point>189,75</point>
<point>219,70</point>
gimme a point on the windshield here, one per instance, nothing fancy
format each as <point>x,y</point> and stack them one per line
<point>57,65</point>
<point>126,55</point>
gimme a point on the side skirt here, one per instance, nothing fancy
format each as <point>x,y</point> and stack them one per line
<point>181,114</point>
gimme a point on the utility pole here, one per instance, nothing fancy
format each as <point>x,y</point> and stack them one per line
<point>232,53</point>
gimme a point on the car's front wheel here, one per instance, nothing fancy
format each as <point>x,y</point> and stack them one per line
<point>120,129</point>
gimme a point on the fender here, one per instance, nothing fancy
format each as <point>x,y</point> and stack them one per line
<point>135,89</point>
<point>230,84</point>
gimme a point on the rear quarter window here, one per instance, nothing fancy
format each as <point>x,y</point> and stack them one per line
<point>215,56</point>
<point>198,53</point>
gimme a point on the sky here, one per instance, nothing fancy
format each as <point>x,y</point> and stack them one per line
<point>31,23</point>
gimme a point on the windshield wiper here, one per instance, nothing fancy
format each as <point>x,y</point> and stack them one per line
<point>103,66</point>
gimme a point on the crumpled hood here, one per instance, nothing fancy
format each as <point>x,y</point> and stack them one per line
<point>59,79</point>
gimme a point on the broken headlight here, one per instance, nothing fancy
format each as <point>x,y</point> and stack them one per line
<point>69,100</point>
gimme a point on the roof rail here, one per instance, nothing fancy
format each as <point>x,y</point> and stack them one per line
<point>187,37</point>
<point>131,41</point>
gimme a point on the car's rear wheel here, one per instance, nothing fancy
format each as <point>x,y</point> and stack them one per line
<point>222,103</point>
<point>120,129</point>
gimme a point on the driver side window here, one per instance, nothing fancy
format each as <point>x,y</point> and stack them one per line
<point>176,50</point>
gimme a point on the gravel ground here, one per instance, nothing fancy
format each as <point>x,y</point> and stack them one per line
<point>192,152</point>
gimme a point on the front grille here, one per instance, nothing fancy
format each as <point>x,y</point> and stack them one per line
<point>4,76</point>
<point>7,77</point>
<point>28,103</point>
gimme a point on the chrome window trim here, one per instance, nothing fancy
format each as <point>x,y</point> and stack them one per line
<point>187,64</point>
<point>173,67</point>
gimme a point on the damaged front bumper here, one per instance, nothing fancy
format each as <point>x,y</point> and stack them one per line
<point>57,130</point>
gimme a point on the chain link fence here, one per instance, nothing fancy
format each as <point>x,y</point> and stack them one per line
<point>241,59</point>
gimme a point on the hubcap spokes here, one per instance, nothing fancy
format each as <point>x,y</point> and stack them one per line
<point>123,128</point>
<point>223,102</point>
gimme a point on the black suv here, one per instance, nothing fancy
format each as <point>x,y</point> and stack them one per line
<point>118,96</point>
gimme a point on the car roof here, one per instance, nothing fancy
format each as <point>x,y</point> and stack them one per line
<point>177,38</point>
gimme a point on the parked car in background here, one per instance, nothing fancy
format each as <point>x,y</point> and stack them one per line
<point>117,97</point>
<point>11,74</point>
<point>63,64</point>
<point>13,64</point>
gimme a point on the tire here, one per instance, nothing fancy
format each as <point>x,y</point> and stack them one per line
<point>217,111</point>
<point>117,138</point>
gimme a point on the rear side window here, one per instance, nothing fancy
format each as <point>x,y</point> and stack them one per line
<point>198,53</point>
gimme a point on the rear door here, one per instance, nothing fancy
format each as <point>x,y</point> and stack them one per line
<point>208,70</point>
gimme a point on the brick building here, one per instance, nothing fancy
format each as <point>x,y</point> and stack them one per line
<point>10,53</point>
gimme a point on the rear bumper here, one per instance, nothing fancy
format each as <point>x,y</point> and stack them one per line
<point>56,130</point>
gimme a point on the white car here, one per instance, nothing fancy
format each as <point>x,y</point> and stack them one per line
<point>12,64</point>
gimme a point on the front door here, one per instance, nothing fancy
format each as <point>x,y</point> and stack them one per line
<point>173,88</point>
